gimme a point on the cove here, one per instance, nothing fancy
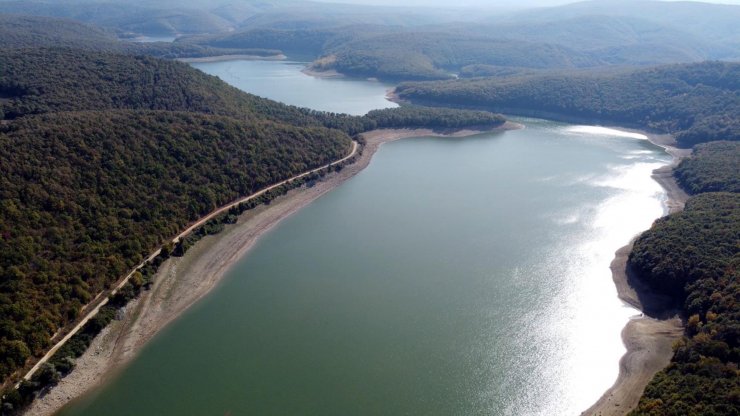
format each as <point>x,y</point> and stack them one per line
<point>452,276</point>
<point>283,81</point>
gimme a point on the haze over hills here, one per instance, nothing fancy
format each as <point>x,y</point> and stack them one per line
<point>73,92</point>
<point>694,102</point>
<point>583,35</point>
<point>108,150</point>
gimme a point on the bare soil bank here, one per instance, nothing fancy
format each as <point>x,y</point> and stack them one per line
<point>322,73</point>
<point>180,282</point>
<point>222,58</point>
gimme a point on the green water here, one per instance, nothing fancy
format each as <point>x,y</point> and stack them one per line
<point>451,277</point>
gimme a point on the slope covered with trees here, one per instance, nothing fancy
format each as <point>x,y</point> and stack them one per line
<point>429,117</point>
<point>713,167</point>
<point>21,31</point>
<point>41,80</point>
<point>38,81</point>
<point>105,156</point>
<point>86,195</point>
<point>694,256</point>
<point>587,35</point>
<point>695,102</point>
<point>150,18</point>
<point>409,56</point>
<point>697,243</point>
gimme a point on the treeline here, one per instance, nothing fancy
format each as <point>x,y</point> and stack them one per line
<point>563,38</point>
<point>14,401</point>
<point>694,256</point>
<point>390,53</point>
<point>43,80</point>
<point>436,56</point>
<point>429,117</point>
<point>694,102</point>
<point>696,243</point>
<point>306,42</point>
<point>84,196</point>
<point>131,16</point>
<point>713,167</point>
<point>20,31</point>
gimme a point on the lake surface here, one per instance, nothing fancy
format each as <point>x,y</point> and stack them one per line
<point>150,39</point>
<point>451,277</point>
<point>283,81</point>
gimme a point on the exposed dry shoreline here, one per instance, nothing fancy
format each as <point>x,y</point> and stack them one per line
<point>222,58</point>
<point>308,70</point>
<point>648,338</point>
<point>180,282</point>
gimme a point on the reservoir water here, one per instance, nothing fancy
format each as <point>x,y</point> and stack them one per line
<point>283,81</point>
<point>451,277</point>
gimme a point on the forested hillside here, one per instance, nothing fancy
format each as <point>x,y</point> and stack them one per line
<point>434,118</point>
<point>45,80</point>
<point>695,102</point>
<point>21,31</point>
<point>698,243</point>
<point>38,81</point>
<point>694,256</point>
<point>105,156</point>
<point>713,167</point>
<point>587,35</point>
<point>148,17</point>
<point>410,56</point>
<point>85,195</point>
<point>401,54</point>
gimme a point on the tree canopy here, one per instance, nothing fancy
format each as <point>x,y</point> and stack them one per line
<point>694,256</point>
<point>713,167</point>
<point>694,102</point>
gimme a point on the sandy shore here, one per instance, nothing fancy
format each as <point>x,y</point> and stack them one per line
<point>322,74</point>
<point>181,282</point>
<point>222,58</point>
<point>648,338</point>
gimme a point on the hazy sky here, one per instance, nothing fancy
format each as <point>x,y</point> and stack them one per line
<point>480,3</point>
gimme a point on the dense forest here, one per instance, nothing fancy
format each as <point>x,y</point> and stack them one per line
<point>695,102</point>
<point>713,167</point>
<point>697,243</point>
<point>694,256</point>
<point>21,31</point>
<point>86,195</point>
<point>155,18</point>
<point>433,56</point>
<point>435,118</point>
<point>41,80</point>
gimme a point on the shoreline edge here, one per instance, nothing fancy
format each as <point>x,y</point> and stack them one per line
<point>181,282</point>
